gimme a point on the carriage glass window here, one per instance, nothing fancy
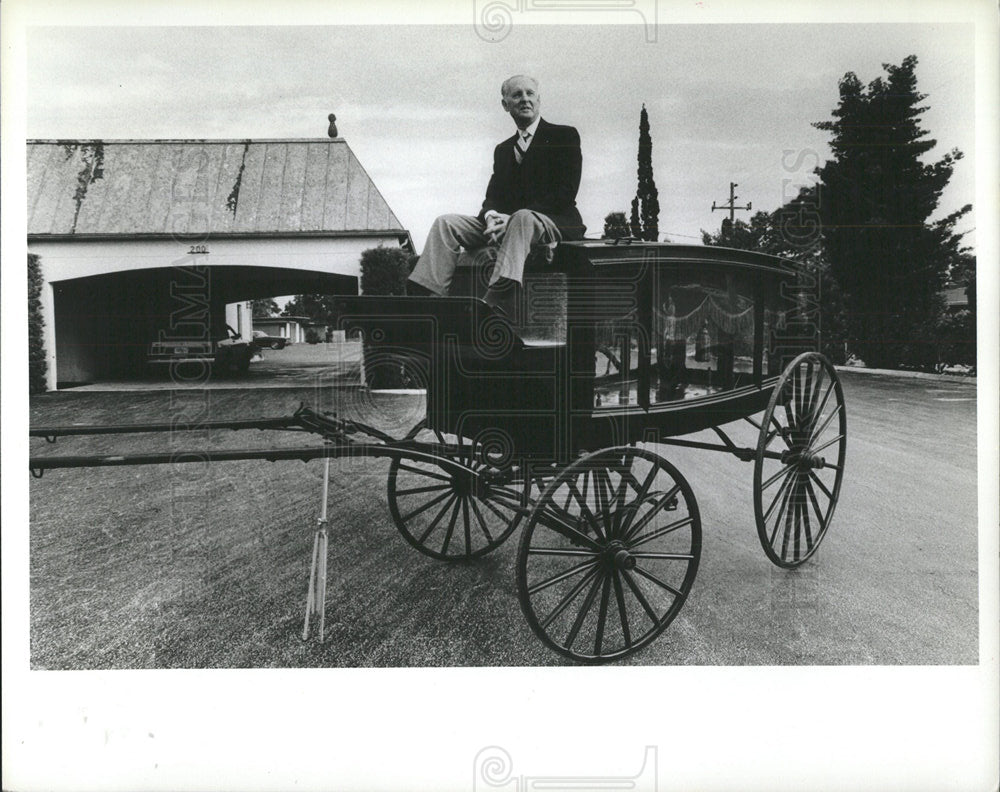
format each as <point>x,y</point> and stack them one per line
<point>703,332</point>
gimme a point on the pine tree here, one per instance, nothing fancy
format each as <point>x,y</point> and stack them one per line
<point>644,220</point>
<point>876,198</point>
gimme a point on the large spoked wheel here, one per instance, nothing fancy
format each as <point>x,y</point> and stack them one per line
<point>609,554</point>
<point>800,460</point>
<point>452,515</point>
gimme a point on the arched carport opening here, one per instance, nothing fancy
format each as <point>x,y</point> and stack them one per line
<point>104,324</point>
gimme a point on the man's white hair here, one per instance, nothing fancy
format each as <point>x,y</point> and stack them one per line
<point>509,80</point>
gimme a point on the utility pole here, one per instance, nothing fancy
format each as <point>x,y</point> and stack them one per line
<point>732,207</point>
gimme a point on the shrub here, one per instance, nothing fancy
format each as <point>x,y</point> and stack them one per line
<point>956,339</point>
<point>312,336</point>
<point>384,270</point>
<point>37,365</point>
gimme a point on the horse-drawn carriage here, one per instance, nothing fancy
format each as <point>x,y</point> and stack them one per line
<point>561,424</point>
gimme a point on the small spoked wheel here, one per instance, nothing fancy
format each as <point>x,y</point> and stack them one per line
<point>799,464</point>
<point>450,514</point>
<point>609,554</point>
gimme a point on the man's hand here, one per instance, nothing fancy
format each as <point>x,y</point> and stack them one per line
<point>496,227</point>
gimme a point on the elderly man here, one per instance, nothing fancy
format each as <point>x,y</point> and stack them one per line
<point>530,201</point>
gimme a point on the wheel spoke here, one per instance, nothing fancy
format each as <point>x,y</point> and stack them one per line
<point>797,508</point>
<point>493,508</point>
<point>549,516</point>
<point>805,519</point>
<point>582,615</point>
<point>827,444</point>
<point>788,525</point>
<point>602,615</point>
<point>622,612</point>
<point>815,504</point>
<point>451,528</point>
<point>640,495</point>
<point>660,532</point>
<point>831,388</point>
<point>778,430</point>
<point>662,503</point>
<point>802,379</point>
<point>826,422</point>
<point>436,520</point>
<point>641,597</point>
<point>564,575</point>
<point>505,496</point>
<point>426,473</point>
<point>482,523</point>
<point>564,603</point>
<point>665,556</point>
<point>467,525</point>
<point>416,490</point>
<point>561,551</point>
<point>821,485</point>
<point>662,584</point>
<point>781,511</point>
<point>810,410</point>
<point>619,503</point>
<point>777,497</point>
<point>603,499</point>
<point>426,506</point>
<point>585,509</point>
<point>776,476</point>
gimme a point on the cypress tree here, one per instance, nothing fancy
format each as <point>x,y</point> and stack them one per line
<point>645,215</point>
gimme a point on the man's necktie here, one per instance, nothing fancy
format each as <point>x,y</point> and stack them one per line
<point>521,146</point>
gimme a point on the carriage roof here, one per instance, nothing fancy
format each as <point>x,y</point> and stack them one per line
<point>601,254</point>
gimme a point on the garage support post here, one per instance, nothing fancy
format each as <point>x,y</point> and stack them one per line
<point>316,596</point>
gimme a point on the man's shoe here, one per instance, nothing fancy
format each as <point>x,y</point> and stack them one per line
<point>504,297</point>
<point>414,289</point>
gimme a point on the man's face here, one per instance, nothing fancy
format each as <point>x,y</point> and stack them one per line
<point>522,101</point>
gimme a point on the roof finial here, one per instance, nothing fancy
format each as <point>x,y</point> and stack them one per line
<point>332,131</point>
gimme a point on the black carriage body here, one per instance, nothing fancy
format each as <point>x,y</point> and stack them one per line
<point>619,344</point>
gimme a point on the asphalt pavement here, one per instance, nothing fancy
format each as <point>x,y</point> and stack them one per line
<point>894,582</point>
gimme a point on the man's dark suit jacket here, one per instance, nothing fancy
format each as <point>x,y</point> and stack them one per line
<point>546,181</point>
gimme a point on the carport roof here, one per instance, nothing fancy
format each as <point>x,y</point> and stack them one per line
<point>185,187</point>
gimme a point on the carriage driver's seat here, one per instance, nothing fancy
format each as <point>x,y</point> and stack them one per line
<point>544,291</point>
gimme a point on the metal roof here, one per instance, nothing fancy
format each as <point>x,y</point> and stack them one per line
<point>127,187</point>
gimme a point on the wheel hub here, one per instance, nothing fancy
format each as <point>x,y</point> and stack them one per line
<point>616,556</point>
<point>802,459</point>
<point>462,485</point>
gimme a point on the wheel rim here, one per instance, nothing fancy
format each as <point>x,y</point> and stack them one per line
<point>609,554</point>
<point>449,515</point>
<point>799,463</point>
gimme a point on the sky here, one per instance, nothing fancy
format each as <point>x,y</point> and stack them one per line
<point>420,105</point>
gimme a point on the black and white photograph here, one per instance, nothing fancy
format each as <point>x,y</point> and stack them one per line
<point>409,400</point>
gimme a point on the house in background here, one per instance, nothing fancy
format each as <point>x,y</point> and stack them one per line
<point>141,240</point>
<point>956,297</point>
<point>291,327</point>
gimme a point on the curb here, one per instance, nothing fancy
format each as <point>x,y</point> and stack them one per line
<point>908,374</point>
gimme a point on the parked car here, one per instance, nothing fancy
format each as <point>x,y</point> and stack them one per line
<point>265,341</point>
<point>230,353</point>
